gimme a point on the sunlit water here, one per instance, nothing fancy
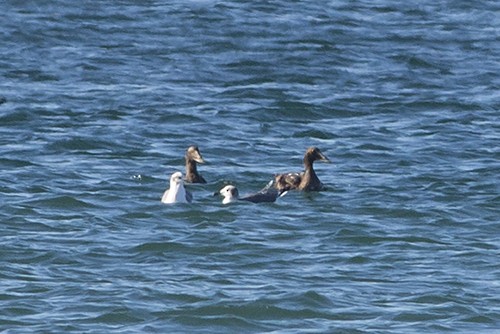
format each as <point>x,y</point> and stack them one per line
<point>99,100</point>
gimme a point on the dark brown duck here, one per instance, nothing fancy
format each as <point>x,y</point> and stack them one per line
<point>306,180</point>
<point>193,156</point>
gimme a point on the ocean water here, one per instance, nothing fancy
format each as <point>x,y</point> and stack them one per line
<point>100,99</point>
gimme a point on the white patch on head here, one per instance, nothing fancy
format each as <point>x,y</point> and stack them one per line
<point>176,178</point>
<point>230,194</point>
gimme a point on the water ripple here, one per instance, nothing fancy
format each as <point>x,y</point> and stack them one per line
<point>98,104</point>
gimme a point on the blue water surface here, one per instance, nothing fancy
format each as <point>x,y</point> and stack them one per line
<point>100,99</point>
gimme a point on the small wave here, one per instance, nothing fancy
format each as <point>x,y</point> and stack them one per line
<point>373,147</point>
<point>318,134</point>
<point>160,247</point>
<point>15,163</point>
<point>78,144</point>
<point>61,202</point>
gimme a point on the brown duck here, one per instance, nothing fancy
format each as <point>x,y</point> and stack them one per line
<point>193,156</point>
<point>306,180</point>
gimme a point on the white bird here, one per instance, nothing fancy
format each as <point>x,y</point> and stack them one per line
<point>176,193</point>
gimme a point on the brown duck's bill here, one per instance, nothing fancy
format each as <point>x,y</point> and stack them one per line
<point>324,158</point>
<point>198,158</point>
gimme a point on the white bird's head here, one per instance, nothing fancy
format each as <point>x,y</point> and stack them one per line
<point>176,178</point>
<point>230,194</point>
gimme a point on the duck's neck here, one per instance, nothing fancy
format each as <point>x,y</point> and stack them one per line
<point>309,177</point>
<point>191,166</point>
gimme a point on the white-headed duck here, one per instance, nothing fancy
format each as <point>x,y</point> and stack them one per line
<point>268,194</point>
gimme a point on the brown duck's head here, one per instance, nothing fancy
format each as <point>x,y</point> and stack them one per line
<point>313,154</point>
<point>193,153</point>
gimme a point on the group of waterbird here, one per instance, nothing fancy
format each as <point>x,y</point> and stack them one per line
<point>307,180</point>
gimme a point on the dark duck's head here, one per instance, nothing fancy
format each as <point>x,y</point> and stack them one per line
<point>192,157</point>
<point>313,154</point>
